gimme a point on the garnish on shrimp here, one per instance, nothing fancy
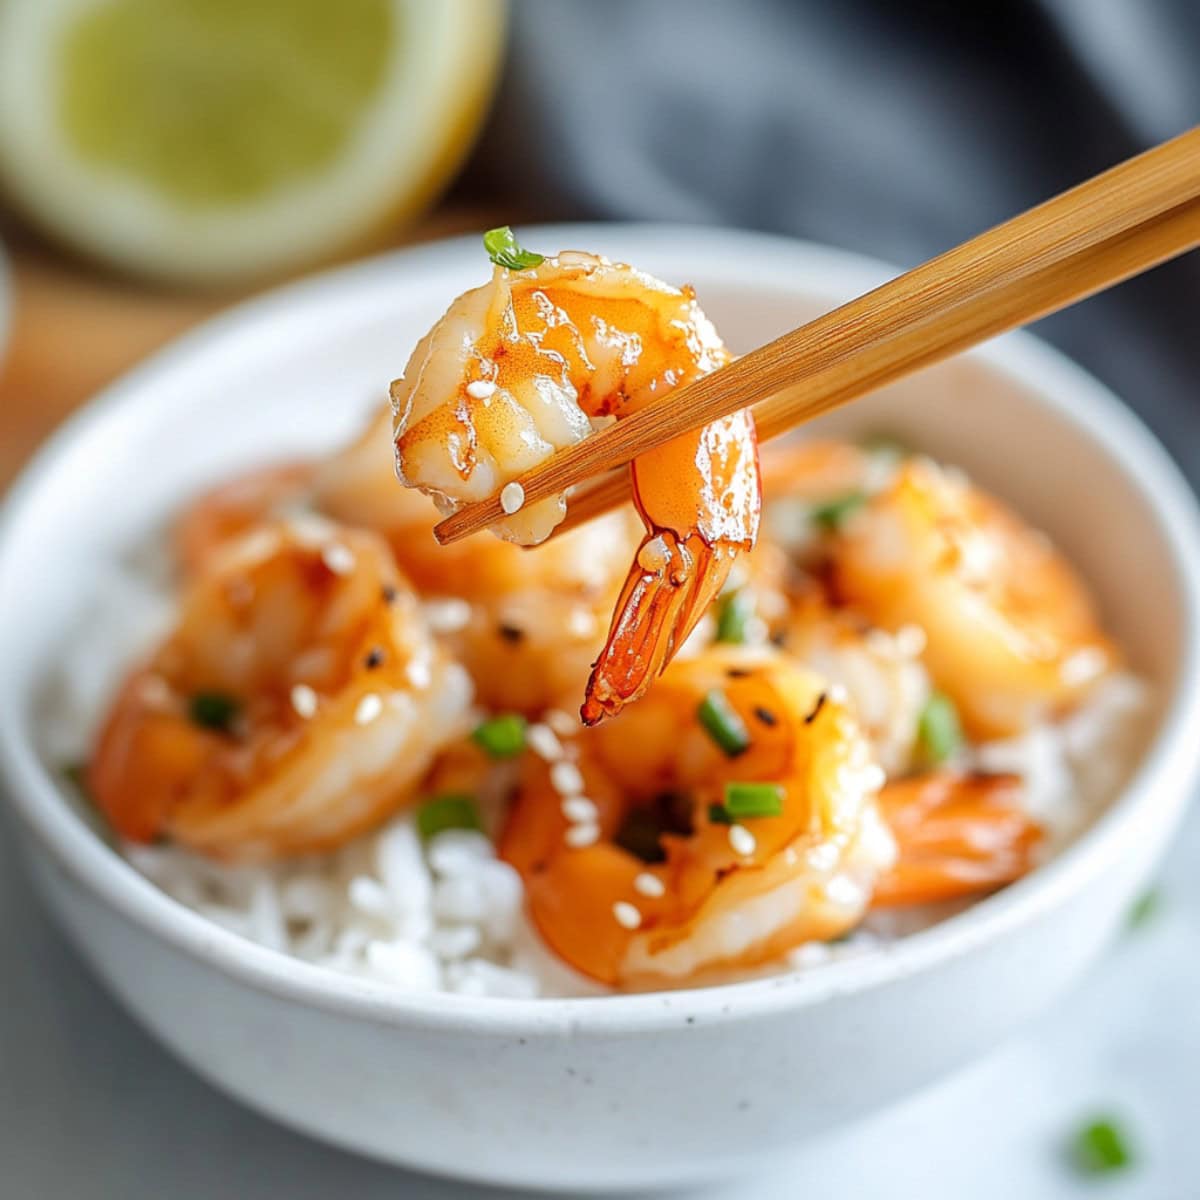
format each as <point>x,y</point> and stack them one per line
<point>727,818</point>
<point>522,367</point>
<point>297,702</point>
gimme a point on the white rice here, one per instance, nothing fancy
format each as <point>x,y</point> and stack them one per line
<point>448,915</point>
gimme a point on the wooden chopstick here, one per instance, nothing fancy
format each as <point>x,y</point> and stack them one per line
<point>1103,266</point>
<point>1115,225</point>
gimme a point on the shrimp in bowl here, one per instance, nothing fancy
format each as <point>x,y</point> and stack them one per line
<point>817,735</point>
<point>530,363</point>
<point>295,704</point>
<point>733,818</point>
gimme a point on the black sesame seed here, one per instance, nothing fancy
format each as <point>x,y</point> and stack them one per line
<point>389,594</point>
<point>510,633</point>
<point>820,704</point>
<point>374,659</point>
<point>766,716</point>
<point>738,673</point>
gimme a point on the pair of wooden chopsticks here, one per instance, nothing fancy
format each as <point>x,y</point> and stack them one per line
<point>1130,218</point>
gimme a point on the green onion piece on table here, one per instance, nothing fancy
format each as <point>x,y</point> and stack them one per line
<point>1101,1146</point>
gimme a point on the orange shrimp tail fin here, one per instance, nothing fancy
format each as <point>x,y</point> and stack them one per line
<point>667,590</point>
<point>958,835</point>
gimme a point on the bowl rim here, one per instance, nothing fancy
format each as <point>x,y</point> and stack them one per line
<point>1155,795</point>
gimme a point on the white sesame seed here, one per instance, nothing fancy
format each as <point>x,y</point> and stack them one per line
<point>1082,666</point>
<point>481,389</point>
<point>542,741</point>
<point>742,840</point>
<point>369,707</point>
<point>910,640</point>
<point>843,892</point>
<point>581,623</point>
<point>512,497</point>
<point>627,914</point>
<point>649,885</point>
<point>873,777</point>
<point>419,673</point>
<point>154,692</point>
<point>880,642</point>
<point>566,779</point>
<point>304,701</point>
<point>562,723</point>
<point>580,810</point>
<point>578,836</point>
<point>338,558</point>
<point>838,693</point>
<point>447,616</point>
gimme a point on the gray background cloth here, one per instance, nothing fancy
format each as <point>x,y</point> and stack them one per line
<point>896,128</point>
<point>886,127</point>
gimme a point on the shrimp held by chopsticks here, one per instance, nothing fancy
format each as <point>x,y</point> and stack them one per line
<point>531,363</point>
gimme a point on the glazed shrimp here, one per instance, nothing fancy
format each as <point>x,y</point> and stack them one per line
<point>658,887</point>
<point>296,703</point>
<point>522,367</point>
<point>1011,634</point>
<point>527,624</point>
<point>958,835</point>
<point>231,509</point>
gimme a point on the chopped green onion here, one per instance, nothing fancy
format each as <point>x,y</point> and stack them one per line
<point>830,515</point>
<point>938,728</point>
<point>502,736</point>
<point>1100,1146</point>
<point>450,811</point>
<point>213,710</point>
<point>753,799</point>
<point>722,723</point>
<point>718,814</point>
<point>1145,908</point>
<point>733,613</point>
<point>505,251</point>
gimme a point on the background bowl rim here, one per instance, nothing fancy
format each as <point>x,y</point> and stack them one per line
<point>1155,795</point>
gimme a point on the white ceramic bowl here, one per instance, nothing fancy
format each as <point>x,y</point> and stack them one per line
<point>626,1090</point>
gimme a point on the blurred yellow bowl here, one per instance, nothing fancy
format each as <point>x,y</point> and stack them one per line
<point>212,141</point>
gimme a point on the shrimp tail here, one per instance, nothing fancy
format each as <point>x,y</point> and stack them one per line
<point>667,591</point>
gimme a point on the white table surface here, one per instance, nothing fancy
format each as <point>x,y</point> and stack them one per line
<point>92,1109</point>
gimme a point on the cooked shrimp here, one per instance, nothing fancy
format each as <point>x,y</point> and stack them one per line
<point>1011,634</point>
<point>297,702</point>
<point>520,368</point>
<point>958,835</point>
<point>527,624</point>
<point>231,509</point>
<point>643,882</point>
